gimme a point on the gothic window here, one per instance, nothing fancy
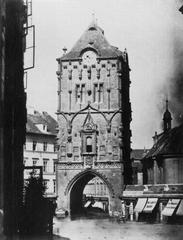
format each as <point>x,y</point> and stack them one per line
<point>70,74</point>
<point>89,136</point>
<point>98,92</point>
<point>80,74</point>
<point>77,93</point>
<point>101,92</point>
<point>82,93</point>
<point>95,89</point>
<point>98,73</point>
<point>88,144</point>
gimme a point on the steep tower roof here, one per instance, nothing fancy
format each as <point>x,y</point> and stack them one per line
<point>93,38</point>
<point>169,143</point>
<point>167,115</point>
<point>167,118</point>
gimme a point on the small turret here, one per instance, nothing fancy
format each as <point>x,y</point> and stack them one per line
<point>167,118</point>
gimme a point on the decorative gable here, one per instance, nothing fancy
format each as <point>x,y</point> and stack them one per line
<point>89,136</point>
<point>88,123</point>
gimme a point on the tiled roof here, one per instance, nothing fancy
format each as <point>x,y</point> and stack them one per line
<point>33,120</point>
<point>170,142</point>
<point>93,38</point>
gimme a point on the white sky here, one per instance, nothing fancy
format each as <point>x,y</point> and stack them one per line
<point>145,27</point>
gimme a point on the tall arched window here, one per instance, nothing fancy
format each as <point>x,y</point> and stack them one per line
<point>89,144</point>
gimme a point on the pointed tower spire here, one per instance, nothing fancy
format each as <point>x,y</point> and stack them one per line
<point>167,118</point>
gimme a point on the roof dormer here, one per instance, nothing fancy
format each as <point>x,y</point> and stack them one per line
<point>42,127</point>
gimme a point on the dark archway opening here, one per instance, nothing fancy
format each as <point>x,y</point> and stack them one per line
<point>76,195</point>
<point>77,200</point>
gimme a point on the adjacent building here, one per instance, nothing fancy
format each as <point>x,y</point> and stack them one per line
<point>94,115</point>
<point>96,188</point>
<point>40,149</point>
<point>163,164</point>
<point>160,198</point>
<point>136,157</point>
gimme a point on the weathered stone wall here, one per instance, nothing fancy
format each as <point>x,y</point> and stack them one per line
<point>103,72</point>
<point>66,182</point>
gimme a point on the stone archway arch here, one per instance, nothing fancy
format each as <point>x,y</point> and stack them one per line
<point>85,172</point>
<point>75,188</point>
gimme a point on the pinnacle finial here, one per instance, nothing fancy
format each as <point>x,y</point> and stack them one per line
<point>94,19</point>
<point>64,50</point>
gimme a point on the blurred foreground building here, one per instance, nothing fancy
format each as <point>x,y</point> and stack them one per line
<point>13,32</point>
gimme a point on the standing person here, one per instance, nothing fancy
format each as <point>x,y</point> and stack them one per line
<point>123,211</point>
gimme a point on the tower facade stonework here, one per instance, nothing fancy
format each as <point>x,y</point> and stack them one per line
<point>94,115</point>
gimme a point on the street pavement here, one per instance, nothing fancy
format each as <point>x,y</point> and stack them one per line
<point>105,229</point>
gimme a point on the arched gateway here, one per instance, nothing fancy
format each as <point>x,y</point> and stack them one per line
<point>94,117</point>
<point>75,188</point>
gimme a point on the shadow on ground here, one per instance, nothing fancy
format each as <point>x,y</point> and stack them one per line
<point>54,237</point>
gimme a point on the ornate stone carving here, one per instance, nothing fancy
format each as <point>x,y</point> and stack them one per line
<point>66,166</point>
<point>89,161</point>
<point>108,165</point>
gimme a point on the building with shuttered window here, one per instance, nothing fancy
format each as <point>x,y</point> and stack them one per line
<point>40,149</point>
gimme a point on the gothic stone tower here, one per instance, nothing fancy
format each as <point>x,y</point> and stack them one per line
<point>94,115</point>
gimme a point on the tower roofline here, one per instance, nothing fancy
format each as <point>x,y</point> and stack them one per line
<point>93,38</point>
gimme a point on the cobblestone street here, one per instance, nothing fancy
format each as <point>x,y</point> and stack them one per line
<point>99,229</point>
